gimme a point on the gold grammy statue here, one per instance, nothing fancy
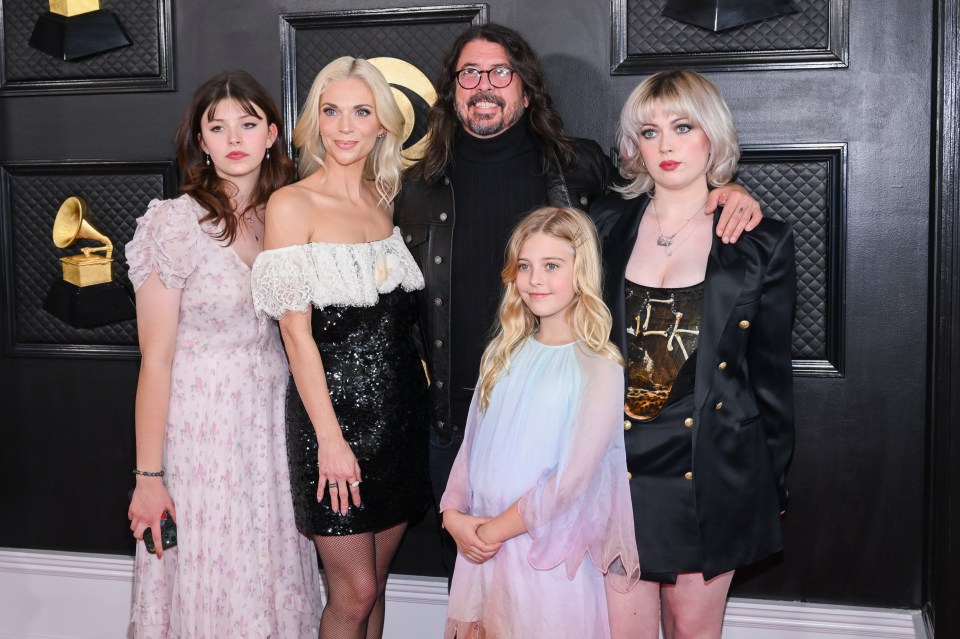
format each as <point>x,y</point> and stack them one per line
<point>71,224</point>
<point>87,296</point>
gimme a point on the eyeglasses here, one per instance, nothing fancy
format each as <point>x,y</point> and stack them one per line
<point>499,77</point>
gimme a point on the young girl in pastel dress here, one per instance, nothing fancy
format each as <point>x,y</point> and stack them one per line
<point>538,500</point>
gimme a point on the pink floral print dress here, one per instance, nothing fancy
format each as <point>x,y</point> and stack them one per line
<point>241,568</point>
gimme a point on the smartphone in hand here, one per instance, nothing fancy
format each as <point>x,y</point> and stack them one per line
<point>168,534</point>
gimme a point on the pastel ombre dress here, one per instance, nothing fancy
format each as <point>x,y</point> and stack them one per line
<point>551,437</point>
<point>241,568</point>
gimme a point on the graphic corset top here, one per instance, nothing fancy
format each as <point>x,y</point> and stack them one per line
<point>663,329</point>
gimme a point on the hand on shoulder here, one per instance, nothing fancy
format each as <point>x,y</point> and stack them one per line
<point>741,212</point>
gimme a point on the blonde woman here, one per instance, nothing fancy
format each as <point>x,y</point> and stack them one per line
<point>706,331</point>
<point>537,500</point>
<point>339,278</point>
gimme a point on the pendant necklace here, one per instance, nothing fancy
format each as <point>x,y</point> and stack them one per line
<point>249,220</point>
<point>667,240</point>
<point>675,245</point>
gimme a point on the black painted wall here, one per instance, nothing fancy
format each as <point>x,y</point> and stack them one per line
<point>856,530</point>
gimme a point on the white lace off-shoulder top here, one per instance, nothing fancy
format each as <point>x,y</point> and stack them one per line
<point>331,274</point>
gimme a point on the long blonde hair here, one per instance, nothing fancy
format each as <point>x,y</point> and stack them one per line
<point>383,165</point>
<point>589,316</point>
<point>685,93</point>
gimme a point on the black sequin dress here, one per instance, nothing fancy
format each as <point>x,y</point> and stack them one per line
<point>363,321</point>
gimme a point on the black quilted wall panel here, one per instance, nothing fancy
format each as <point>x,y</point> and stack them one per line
<point>803,186</point>
<point>144,65</point>
<point>648,32</point>
<point>644,40</point>
<point>116,195</point>
<point>420,36</point>
<point>317,47</point>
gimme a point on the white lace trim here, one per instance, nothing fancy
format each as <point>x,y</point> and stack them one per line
<point>327,274</point>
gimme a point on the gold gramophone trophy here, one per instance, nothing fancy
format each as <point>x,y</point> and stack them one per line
<point>72,224</point>
<point>87,296</point>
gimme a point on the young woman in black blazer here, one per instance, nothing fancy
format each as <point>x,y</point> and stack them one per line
<point>705,327</point>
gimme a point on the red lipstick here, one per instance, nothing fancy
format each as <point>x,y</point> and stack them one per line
<point>669,165</point>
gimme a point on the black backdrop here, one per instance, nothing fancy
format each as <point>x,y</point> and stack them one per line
<point>857,530</point>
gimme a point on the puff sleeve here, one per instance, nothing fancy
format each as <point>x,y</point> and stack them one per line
<point>165,241</point>
<point>283,280</point>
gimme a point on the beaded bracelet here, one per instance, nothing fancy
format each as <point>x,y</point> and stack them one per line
<point>147,473</point>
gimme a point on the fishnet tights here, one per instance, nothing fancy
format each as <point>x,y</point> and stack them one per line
<point>355,567</point>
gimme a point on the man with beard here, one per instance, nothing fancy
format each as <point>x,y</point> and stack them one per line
<point>497,150</point>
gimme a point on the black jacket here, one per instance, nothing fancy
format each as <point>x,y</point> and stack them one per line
<point>426,216</point>
<point>743,393</point>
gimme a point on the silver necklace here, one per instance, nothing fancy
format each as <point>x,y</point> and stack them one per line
<point>248,218</point>
<point>667,240</point>
<point>675,245</point>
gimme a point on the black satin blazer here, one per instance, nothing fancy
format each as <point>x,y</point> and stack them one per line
<point>743,395</point>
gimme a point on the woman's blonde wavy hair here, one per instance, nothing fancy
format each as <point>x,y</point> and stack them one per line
<point>685,93</point>
<point>383,166</point>
<point>588,315</point>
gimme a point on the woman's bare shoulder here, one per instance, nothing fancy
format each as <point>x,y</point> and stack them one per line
<point>291,197</point>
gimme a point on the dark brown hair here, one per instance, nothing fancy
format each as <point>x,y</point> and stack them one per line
<point>200,181</point>
<point>443,123</point>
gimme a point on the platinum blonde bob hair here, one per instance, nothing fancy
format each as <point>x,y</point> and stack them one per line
<point>384,165</point>
<point>686,93</point>
<point>588,315</point>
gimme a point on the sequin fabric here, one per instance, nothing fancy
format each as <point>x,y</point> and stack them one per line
<point>379,392</point>
<point>363,321</point>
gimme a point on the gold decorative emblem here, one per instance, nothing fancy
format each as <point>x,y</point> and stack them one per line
<point>71,224</point>
<point>415,95</point>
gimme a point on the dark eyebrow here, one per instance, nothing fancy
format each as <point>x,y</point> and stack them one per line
<point>245,115</point>
<point>476,65</point>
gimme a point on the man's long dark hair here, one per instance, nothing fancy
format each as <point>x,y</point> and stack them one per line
<point>201,181</point>
<point>444,124</point>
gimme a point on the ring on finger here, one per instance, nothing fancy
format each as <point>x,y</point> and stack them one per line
<point>354,484</point>
<point>332,484</point>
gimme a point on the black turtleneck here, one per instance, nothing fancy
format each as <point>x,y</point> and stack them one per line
<point>495,182</point>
